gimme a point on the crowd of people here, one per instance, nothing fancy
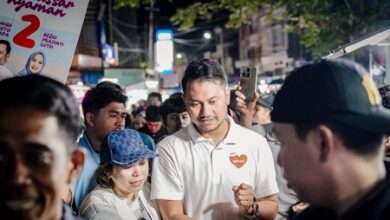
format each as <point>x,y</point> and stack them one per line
<point>317,149</point>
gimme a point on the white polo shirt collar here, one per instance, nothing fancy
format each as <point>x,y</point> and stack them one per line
<point>196,137</point>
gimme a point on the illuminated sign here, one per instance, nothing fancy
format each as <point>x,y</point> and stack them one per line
<point>164,51</point>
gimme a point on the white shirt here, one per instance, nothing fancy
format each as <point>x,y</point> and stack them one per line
<point>191,168</point>
<point>103,201</point>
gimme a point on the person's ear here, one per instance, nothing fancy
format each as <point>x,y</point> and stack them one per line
<point>77,161</point>
<point>90,119</point>
<point>324,142</point>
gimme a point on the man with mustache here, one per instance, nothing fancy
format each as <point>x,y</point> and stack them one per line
<point>214,168</point>
<point>39,126</point>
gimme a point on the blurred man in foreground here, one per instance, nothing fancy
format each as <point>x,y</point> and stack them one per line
<point>329,120</point>
<point>39,126</point>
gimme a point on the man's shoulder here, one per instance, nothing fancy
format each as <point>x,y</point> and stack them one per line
<point>68,214</point>
<point>246,134</point>
<point>99,204</point>
<point>101,194</point>
<point>179,136</point>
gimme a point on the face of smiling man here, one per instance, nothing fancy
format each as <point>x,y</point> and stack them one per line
<point>34,166</point>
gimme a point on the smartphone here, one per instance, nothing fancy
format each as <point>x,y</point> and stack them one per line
<point>248,82</point>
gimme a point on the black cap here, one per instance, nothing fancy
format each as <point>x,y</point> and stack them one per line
<point>152,114</point>
<point>266,101</point>
<point>334,91</point>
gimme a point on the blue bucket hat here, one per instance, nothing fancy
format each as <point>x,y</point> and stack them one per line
<point>123,147</point>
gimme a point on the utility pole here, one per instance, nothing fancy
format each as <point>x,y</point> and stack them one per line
<point>218,30</point>
<point>151,30</point>
<point>110,21</point>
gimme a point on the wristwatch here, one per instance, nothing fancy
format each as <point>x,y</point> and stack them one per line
<point>255,210</point>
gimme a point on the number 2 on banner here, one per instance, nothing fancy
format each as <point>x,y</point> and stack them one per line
<point>22,38</point>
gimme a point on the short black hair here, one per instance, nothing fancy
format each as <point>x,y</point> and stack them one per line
<point>7,44</point>
<point>109,84</point>
<point>46,95</point>
<point>99,97</point>
<point>155,94</point>
<point>172,105</point>
<point>360,141</point>
<point>204,69</point>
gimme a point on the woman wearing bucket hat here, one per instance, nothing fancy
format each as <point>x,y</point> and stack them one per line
<point>121,192</point>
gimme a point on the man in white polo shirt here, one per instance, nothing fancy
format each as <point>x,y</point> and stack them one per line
<point>213,169</point>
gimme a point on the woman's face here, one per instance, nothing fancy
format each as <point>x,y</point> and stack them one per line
<point>36,63</point>
<point>128,181</point>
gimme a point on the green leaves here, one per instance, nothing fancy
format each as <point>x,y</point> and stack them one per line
<point>321,24</point>
<point>186,17</point>
<point>240,12</point>
<point>130,3</point>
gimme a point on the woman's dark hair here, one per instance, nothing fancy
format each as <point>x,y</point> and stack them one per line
<point>103,173</point>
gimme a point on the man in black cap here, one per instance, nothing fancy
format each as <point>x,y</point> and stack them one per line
<point>153,127</point>
<point>331,124</point>
<point>263,108</point>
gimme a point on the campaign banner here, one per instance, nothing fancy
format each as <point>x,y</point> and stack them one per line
<point>42,34</point>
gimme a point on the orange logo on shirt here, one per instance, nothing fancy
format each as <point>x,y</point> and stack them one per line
<point>238,161</point>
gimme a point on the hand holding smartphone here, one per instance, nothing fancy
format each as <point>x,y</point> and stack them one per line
<point>248,82</point>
